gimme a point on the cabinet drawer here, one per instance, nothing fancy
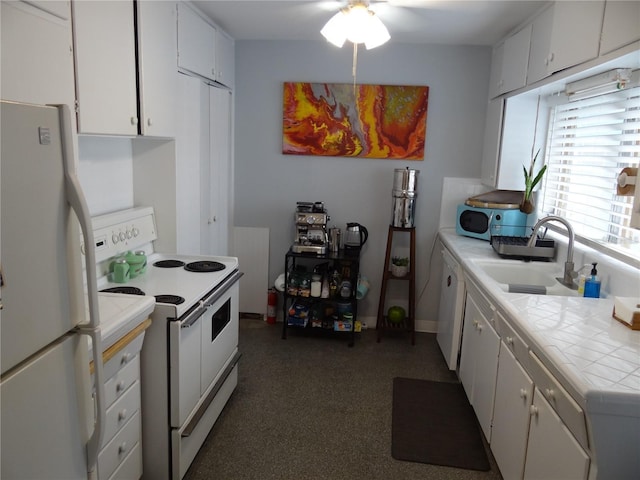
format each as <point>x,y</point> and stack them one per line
<point>117,450</point>
<point>131,467</point>
<point>121,411</point>
<point>115,387</point>
<point>481,301</point>
<point>512,340</point>
<point>122,357</point>
<point>566,407</point>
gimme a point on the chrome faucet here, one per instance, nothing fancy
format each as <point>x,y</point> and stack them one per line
<point>569,273</point>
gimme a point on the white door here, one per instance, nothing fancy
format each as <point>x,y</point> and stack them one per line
<point>43,403</point>
<point>40,254</point>
<point>220,174</point>
<point>514,394</point>
<point>105,67</point>
<point>553,452</point>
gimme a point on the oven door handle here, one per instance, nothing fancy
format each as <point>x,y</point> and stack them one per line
<point>229,282</point>
<point>193,317</point>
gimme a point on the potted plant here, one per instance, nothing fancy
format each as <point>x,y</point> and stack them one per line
<point>530,182</point>
<point>399,266</point>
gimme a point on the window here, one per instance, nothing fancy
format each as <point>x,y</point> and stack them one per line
<point>589,142</point>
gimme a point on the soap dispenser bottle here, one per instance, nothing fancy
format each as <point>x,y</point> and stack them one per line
<point>592,284</point>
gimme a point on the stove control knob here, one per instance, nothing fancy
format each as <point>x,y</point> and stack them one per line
<point>129,234</point>
<point>123,237</point>
<point>114,238</point>
<point>135,231</point>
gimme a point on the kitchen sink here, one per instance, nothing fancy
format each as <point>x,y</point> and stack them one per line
<point>539,278</point>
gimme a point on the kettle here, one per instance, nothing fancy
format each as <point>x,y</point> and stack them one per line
<point>355,236</point>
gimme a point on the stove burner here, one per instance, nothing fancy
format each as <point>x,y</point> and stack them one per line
<point>125,290</point>
<point>168,263</point>
<point>172,299</point>
<point>204,266</point>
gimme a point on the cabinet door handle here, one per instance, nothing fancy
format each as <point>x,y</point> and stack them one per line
<point>549,393</point>
<point>122,414</point>
<point>134,120</point>
<point>523,393</point>
<point>476,323</point>
<point>533,411</point>
<point>509,341</point>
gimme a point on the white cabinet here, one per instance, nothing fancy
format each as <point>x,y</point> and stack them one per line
<point>218,196</point>
<point>196,43</point>
<point>509,63</point>
<point>492,142</point>
<point>225,59</point>
<point>104,42</point>
<point>188,180</point>
<point>514,394</point>
<point>157,67</point>
<point>564,35</point>
<point>621,24</point>
<point>479,356</point>
<point>552,451</point>
<point>37,53</point>
<point>120,455</point>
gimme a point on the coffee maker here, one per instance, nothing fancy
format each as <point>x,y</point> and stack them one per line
<point>311,228</point>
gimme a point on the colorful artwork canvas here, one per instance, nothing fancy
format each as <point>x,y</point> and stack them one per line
<point>372,121</point>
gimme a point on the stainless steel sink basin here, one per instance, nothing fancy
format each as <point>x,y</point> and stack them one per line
<point>527,277</point>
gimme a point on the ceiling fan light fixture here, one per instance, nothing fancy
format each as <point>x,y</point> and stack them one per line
<point>357,24</point>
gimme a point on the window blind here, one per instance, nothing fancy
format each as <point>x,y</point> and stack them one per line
<point>589,142</point>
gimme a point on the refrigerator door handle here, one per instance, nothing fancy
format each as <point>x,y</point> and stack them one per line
<point>92,329</point>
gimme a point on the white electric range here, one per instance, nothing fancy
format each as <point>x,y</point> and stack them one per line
<point>190,354</point>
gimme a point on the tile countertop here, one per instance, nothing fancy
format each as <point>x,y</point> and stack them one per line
<point>596,358</point>
<point>119,314</point>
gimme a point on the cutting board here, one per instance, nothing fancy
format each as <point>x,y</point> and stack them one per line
<point>508,199</point>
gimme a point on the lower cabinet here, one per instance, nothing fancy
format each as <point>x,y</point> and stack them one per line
<point>479,357</point>
<point>120,455</point>
<point>536,430</point>
<point>552,451</point>
<point>514,394</point>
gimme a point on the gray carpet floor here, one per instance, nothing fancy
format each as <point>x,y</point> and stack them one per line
<point>310,407</point>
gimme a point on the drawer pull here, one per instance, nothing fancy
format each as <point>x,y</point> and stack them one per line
<point>122,414</point>
<point>476,323</point>
<point>523,393</point>
<point>533,411</point>
<point>549,393</point>
<point>122,448</point>
<point>509,341</point>
<point>125,358</point>
<point>120,386</point>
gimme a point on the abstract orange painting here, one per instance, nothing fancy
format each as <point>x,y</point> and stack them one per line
<point>338,120</point>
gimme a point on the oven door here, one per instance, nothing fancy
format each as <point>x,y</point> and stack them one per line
<point>200,346</point>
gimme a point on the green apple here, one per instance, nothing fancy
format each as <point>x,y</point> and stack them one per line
<point>396,314</point>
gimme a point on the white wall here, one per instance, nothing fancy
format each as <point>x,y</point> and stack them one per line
<point>268,184</point>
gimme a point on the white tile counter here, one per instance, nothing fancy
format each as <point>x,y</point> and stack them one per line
<point>586,345</point>
<point>120,314</point>
<point>595,357</point>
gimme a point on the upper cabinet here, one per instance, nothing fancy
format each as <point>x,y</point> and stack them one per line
<point>564,35</point>
<point>196,42</point>
<point>225,59</point>
<point>43,36</point>
<point>105,67</point>
<point>509,63</point>
<point>111,87</point>
<point>621,25</point>
<point>203,49</point>
<point>157,67</point>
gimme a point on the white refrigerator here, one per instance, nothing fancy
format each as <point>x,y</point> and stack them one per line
<point>51,413</point>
